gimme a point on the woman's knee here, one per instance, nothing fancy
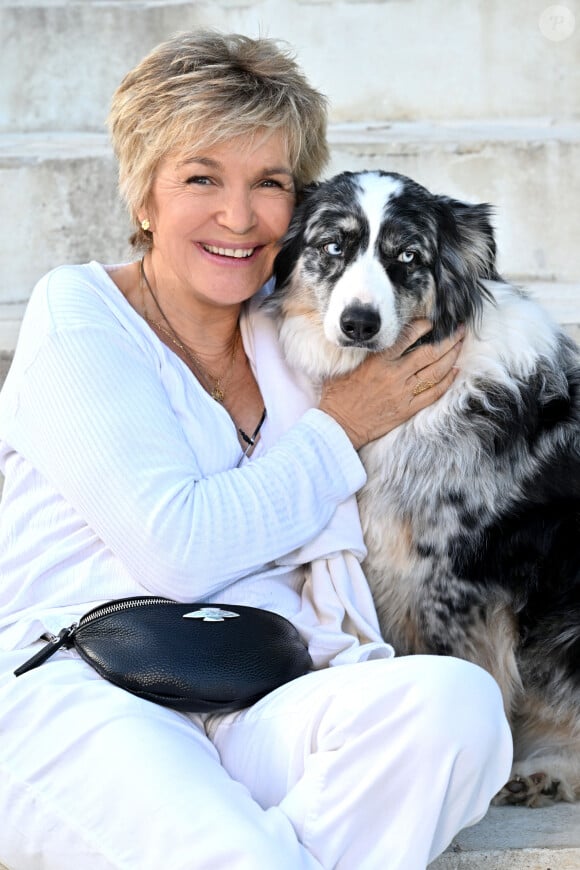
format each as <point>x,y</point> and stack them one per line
<point>434,699</point>
<point>464,707</point>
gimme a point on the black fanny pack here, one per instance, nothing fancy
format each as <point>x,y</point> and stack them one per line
<point>194,657</point>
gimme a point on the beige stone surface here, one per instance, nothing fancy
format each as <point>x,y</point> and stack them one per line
<point>514,838</point>
<point>60,191</point>
<point>378,59</point>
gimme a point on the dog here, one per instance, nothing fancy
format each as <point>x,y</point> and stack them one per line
<point>471,509</point>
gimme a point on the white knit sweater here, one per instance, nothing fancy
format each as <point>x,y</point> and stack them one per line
<point>121,479</point>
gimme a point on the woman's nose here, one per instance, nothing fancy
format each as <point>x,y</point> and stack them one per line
<point>237,212</point>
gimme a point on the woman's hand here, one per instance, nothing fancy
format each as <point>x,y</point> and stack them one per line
<point>390,387</point>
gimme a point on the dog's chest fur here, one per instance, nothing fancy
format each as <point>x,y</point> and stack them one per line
<point>439,479</point>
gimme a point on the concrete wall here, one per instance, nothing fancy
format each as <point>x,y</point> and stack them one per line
<point>378,60</point>
<point>476,98</point>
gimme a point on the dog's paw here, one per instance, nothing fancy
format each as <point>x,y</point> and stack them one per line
<point>538,789</point>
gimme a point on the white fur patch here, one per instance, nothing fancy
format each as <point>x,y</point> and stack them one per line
<point>377,190</point>
<point>365,281</point>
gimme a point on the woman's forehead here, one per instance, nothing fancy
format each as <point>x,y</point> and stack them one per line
<point>257,146</point>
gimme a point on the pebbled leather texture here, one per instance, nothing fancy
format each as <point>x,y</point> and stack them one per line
<point>196,663</point>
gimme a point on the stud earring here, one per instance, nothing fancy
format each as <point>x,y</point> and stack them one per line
<point>145,224</point>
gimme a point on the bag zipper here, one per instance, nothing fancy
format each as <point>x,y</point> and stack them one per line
<point>65,637</point>
<point>118,606</point>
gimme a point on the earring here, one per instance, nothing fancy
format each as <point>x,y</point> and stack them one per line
<point>145,224</point>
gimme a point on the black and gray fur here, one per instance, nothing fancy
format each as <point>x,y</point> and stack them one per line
<point>471,511</point>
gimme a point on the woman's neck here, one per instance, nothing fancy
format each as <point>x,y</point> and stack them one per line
<point>209,330</point>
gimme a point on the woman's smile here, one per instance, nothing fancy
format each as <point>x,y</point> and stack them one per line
<point>227,253</point>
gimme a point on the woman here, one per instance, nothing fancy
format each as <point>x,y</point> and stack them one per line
<point>153,442</point>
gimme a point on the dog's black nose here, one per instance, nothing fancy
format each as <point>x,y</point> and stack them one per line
<point>360,322</point>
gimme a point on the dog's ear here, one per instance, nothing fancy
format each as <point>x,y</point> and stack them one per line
<point>306,192</point>
<point>466,256</point>
<point>291,244</point>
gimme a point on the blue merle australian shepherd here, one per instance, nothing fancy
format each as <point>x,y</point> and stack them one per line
<point>471,510</point>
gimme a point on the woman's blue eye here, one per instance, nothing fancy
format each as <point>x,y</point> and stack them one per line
<point>333,249</point>
<point>198,179</point>
<point>406,257</point>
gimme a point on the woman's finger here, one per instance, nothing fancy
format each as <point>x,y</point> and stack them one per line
<point>436,370</point>
<point>410,333</point>
<point>421,358</point>
<point>426,396</point>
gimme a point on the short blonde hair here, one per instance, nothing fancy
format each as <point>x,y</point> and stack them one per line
<point>202,88</point>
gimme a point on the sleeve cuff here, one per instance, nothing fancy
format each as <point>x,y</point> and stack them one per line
<point>339,446</point>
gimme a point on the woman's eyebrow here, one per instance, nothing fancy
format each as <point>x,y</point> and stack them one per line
<point>277,170</point>
<point>215,164</point>
<point>205,161</point>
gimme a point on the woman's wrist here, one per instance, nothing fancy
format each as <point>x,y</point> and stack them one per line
<point>355,435</point>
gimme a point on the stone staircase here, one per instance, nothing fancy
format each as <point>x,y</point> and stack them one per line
<point>475,100</point>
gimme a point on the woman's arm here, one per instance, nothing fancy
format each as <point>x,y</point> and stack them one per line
<point>93,417</point>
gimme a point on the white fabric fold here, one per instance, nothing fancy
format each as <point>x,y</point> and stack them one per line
<point>337,615</point>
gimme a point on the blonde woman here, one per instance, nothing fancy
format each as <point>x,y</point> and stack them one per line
<point>153,442</point>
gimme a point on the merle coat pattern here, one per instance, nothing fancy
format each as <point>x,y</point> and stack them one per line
<point>471,510</point>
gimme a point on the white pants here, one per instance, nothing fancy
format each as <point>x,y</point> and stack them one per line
<point>372,766</point>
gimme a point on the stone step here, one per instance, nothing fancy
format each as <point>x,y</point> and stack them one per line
<point>513,838</point>
<point>391,61</point>
<point>60,191</point>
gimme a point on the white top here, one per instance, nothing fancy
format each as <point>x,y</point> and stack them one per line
<point>121,473</point>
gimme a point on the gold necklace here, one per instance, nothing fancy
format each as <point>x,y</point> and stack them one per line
<point>220,382</point>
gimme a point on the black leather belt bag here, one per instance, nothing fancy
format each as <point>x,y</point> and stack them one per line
<point>196,657</point>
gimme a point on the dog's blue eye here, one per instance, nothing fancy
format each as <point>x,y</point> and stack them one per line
<point>333,249</point>
<point>406,257</point>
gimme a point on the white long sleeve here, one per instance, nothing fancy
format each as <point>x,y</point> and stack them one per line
<point>120,468</point>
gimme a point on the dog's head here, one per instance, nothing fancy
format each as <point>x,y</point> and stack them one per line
<point>367,252</point>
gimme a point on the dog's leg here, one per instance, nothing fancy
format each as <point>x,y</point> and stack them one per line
<point>491,642</point>
<point>543,780</point>
<point>547,743</point>
<point>461,621</point>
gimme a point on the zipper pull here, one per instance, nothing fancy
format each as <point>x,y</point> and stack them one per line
<point>47,651</point>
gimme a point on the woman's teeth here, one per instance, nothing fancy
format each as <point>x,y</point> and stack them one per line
<point>237,253</point>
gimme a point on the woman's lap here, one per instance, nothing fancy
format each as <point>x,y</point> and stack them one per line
<point>92,776</point>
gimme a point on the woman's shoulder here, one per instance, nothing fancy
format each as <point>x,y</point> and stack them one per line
<point>72,299</point>
<point>72,293</point>
<point>72,296</point>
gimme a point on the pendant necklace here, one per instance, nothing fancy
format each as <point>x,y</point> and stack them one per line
<point>215,389</point>
<point>214,384</point>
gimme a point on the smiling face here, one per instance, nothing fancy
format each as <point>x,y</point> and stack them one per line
<point>217,217</point>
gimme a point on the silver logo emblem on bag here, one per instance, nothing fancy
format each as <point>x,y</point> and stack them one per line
<point>210,614</point>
